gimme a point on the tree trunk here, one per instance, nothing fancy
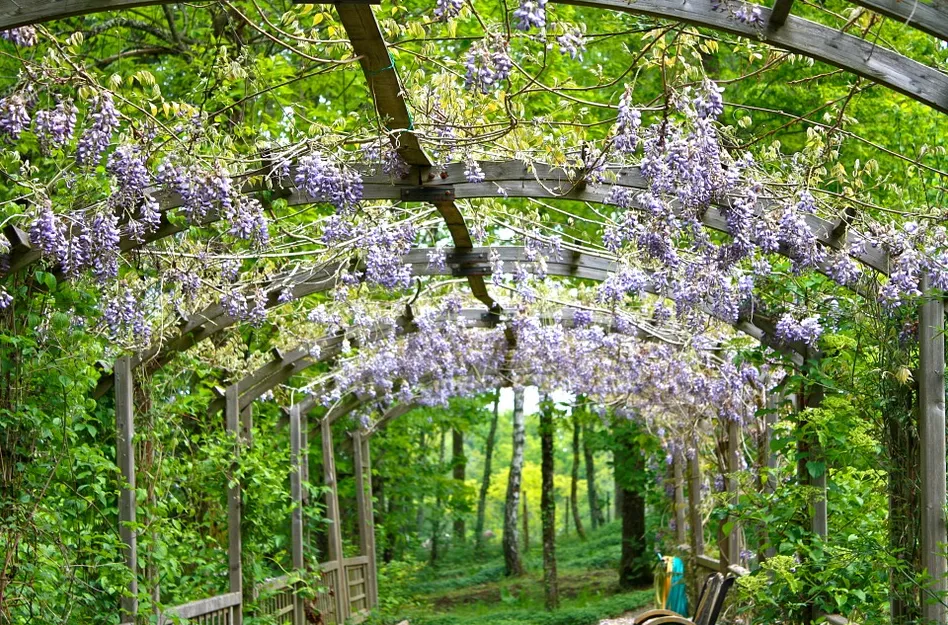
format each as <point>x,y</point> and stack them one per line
<point>617,506</point>
<point>526,524</point>
<point>634,563</point>
<point>566,517</point>
<point>459,463</point>
<point>548,508</point>
<point>436,517</point>
<point>485,481</point>
<point>574,483</point>
<point>512,563</point>
<point>595,510</point>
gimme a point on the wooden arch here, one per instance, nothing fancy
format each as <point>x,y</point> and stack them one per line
<point>848,52</point>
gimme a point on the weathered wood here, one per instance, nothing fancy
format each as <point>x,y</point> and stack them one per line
<point>848,52</point>
<point>927,17</point>
<point>678,470</point>
<point>734,493</point>
<point>820,42</point>
<point>333,513</point>
<point>779,13</point>
<point>931,397</point>
<point>712,564</point>
<point>296,517</point>
<point>230,602</point>
<point>125,457</point>
<point>235,567</point>
<point>363,475</point>
<point>696,536</point>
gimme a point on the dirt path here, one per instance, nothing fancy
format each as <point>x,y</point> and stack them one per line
<point>626,619</point>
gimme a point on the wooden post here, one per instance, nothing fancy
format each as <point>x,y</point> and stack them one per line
<point>125,458</point>
<point>296,519</point>
<point>363,476</point>
<point>678,461</point>
<point>767,458</point>
<point>235,567</point>
<point>696,520</point>
<point>733,489</point>
<point>335,525</point>
<point>931,394</point>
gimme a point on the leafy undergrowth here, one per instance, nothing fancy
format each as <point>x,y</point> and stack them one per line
<point>465,589</point>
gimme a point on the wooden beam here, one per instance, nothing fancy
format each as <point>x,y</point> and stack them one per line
<point>678,469</point>
<point>779,13</point>
<point>731,555</point>
<point>235,567</point>
<point>931,397</point>
<point>296,517</point>
<point>926,16</point>
<point>125,457</point>
<point>797,35</point>
<point>859,56</point>
<point>696,520</point>
<point>335,520</point>
<point>363,476</point>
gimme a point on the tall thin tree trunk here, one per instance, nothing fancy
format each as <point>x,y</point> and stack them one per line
<point>485,481</point>
<point>566,517</point>
<point>595,509</point>
<point>459,463</point>
<point>617,505</point>
<point>526,524</point>
<point>548,508</point>
<point>436,519</point>
<point>634,562</point>
<point>574,483</point>
<point>513,565</point>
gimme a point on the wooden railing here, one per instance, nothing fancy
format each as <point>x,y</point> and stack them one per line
<point>275,598</point>
<point>357,576</point>
<point>219,610</point>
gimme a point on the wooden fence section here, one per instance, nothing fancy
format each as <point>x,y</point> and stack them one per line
<point>357,577</point>
<point>219,610</point>
<point>275,598</point>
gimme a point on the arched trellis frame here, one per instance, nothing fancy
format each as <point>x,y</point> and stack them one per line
<point>782,30</point>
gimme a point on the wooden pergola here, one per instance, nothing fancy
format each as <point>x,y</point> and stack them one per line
<point>353,581</point>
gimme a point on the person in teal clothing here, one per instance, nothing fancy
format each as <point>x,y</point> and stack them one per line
<point>670,585</point>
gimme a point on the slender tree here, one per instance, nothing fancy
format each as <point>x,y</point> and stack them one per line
<point>596,517</point>
<point>459,464</point>
<point>512,563</point>
<point>548,506</point>
<point>634,563</point>
<point>485,480</point>
<point>574,483</point>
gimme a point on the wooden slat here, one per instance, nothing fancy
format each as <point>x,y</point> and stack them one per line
<point>234,550</point>
<point>334,516</point>
<point>931,399</point>
<point>202,607</point>
<point>296,495</point>
<point>734,494</point>
<point>712,564</point>
<point>125,456</point>
<point>678,469</point>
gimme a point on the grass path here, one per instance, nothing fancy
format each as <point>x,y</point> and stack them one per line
<point>465,590</point>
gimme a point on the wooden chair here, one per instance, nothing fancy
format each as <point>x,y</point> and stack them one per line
<point>709,606</point>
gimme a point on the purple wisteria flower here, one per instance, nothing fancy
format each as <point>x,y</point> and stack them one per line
<point>24,36</point>
<point>572,43</point>
<point>531,14</point>
<point>54,127</point>
<point>473,172</point>
<point>807,330</point>
<point>103,122</point>
<point>14,115</point>
<point>627,125</point>
<point>487,64</point>
<point>327,182</point>
<point>448,9</point>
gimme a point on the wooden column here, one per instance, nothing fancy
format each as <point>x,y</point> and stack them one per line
<point>335,525</point>
<point>296,518</point>
<point>730,554</point>
<point>235,567</point>
<point>678,468</point>
<point>767,458</point>
<point>696,520</point>
<point>125,458</point>
<point>363,475</point>
<point>931,395</point>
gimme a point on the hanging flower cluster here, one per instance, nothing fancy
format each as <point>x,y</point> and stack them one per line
<point>487,64</point>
